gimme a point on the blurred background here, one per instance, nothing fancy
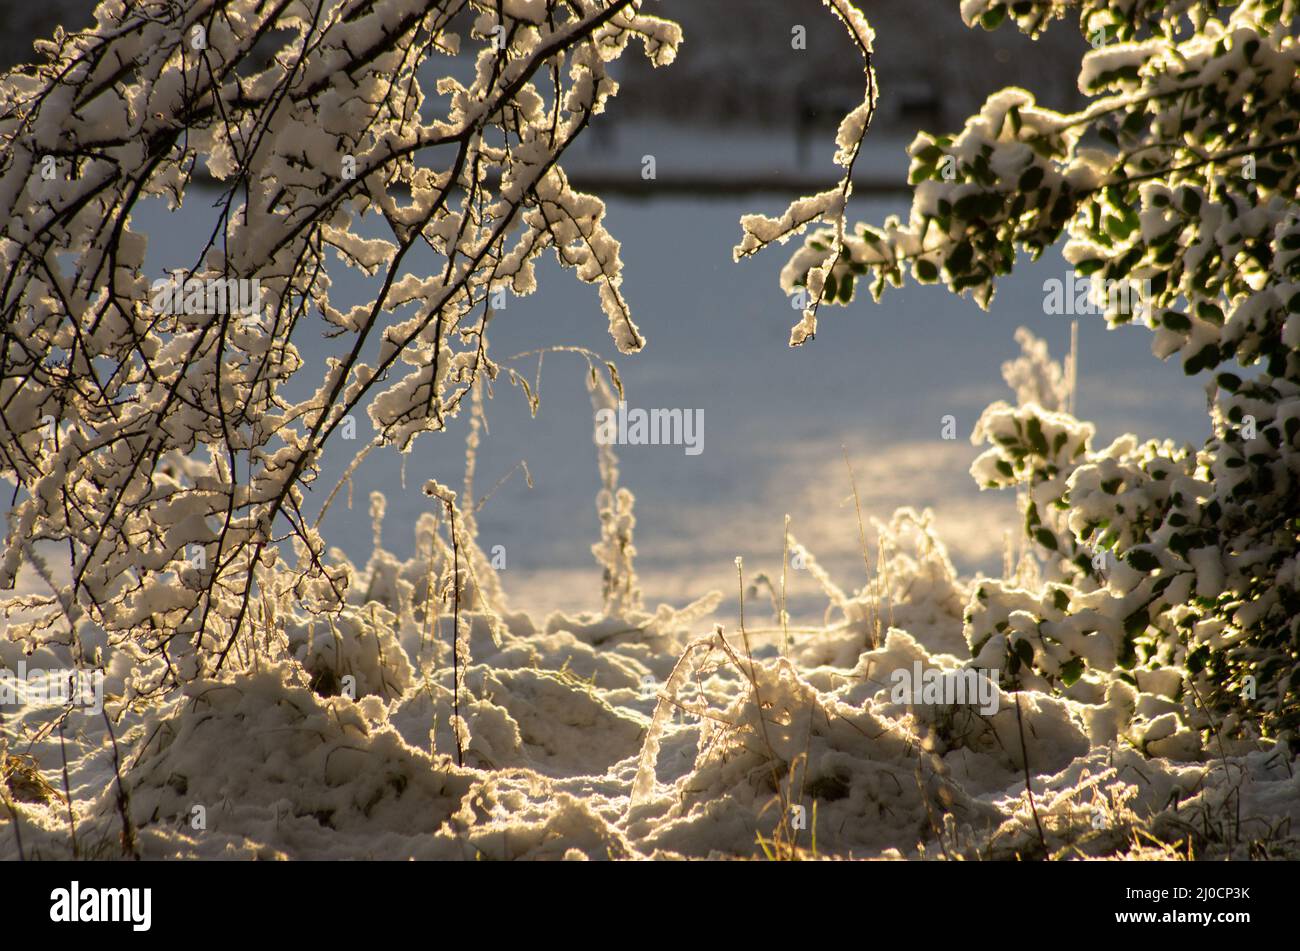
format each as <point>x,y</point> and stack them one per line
<point>742,122</point>
<point>736,66</point>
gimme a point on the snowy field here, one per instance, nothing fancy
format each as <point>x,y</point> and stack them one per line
<point>638,735</point>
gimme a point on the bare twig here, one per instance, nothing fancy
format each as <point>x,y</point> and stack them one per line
<point>129,846</point>
<point>1029,789</point>
<point>67,791</point>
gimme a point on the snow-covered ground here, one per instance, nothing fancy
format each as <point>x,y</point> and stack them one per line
<point>635,735</point>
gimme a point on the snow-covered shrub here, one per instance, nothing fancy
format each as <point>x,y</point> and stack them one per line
<point>1162,564</point>
<point>914,588</point>
<point>1179,178</point>
<point>147,428</point>
<point>357,643</point>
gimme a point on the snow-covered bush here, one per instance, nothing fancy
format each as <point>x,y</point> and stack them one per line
<point>1179,180</point>
<point>145,424</point>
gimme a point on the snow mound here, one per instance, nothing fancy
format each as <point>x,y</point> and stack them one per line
<point>425,719</point>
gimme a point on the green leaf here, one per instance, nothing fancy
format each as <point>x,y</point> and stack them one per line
<point>1137,622</point>
<point>1072,670</point>
<point>1143,560</point>
<point>929,154</point>
<point>960,258</point>
<point>1205,358</point>
<point>1037,440</point>
<point>1211,312</point>
<point>1032,178</point>
<point>1025,651</point>
<point>967,206</point>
